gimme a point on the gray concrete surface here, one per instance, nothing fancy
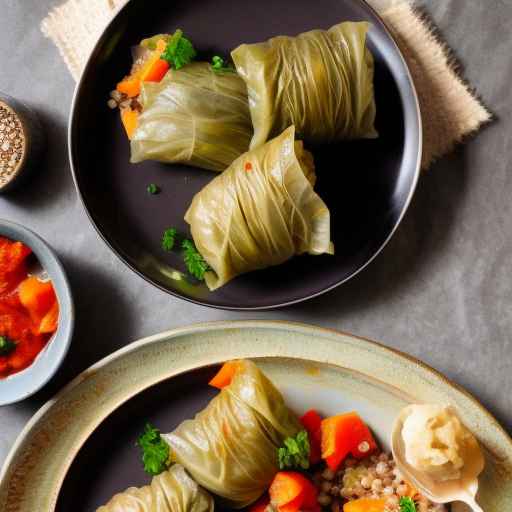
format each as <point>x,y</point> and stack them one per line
<point>441,290</point>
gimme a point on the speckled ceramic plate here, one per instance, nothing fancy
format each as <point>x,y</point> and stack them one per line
<point>81,444</point>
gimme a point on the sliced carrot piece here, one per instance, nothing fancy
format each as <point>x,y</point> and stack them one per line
<point>37,297</point>
<point>225,375</point>
<point>365,505</point>
<point>129,86</point>
<point>152,70</point>
<point>156,71</point>
<point>130,119</point>
<point>50,321</point>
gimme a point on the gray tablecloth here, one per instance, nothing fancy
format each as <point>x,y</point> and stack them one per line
<point>441,290</point>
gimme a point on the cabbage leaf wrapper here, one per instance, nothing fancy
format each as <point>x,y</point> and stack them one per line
<point>260,212</point>
<point>230,447</point>
<point>320,81</point>
<point>196,116</point>
<point>171,491</point>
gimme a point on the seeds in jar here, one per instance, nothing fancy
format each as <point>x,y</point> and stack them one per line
<point>12,143</point>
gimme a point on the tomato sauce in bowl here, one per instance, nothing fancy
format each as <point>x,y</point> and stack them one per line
<point>29,309</point>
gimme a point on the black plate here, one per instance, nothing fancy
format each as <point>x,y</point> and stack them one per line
<point>366,184</point>
<point>113,458</point>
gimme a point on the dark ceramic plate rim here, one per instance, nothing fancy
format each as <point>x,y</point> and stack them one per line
<point>412,99</point>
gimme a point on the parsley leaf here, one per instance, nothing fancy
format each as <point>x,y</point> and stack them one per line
<point>196,264</point>
<point>407,504</point>
<point>153,189</point>
<point>6,345</point>
<point>219,64</point>
<point>155,451</point>
<point>295,452</point>
<point>179,50</point>
<point>169,239</point>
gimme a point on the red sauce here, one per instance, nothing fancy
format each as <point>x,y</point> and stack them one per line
<point>27,319</point>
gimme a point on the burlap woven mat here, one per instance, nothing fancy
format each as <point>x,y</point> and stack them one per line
<point>450,109</point>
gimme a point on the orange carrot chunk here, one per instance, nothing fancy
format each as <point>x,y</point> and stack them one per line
<point>153,69</point>
<point>50,321</point>
<point>225,375</point>
<point>365,505</point>
<point>291,491</point>
<point>130,119</point>
<point>129,86</point>
<point>156,71</point>
<point>345,434</point>
<point>37,297</point>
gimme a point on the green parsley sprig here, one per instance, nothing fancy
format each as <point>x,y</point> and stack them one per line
<point>153,189</point>
<point>407,504</point>
<point>169,239</point>
<point>295,452</point>
<point>218,64</point>
<point>179,50</point>
<point>196,264</point>
<point>155,451</point>
<point>6,345</point>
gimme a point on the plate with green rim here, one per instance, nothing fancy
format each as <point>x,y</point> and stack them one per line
<point>91,425</point>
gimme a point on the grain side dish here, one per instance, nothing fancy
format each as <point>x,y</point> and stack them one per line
<point>248,450</point>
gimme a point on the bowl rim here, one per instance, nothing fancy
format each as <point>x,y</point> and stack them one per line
<point>204,302</point>
<point>48,361</point>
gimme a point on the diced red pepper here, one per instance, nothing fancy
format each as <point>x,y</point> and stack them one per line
<point>345,434</point>
<point>312,421</point>
<point>291,491</point>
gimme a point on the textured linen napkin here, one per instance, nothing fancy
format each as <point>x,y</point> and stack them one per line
<point>449,107</point>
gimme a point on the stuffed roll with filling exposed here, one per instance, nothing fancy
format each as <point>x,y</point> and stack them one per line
<point>320,81</point>
<point>195,115</point>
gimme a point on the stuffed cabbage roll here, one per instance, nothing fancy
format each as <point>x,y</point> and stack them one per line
<point>230,448</point>
<point>171,491</point>
<point>320,81</point>
<point>260,212</point>
<point>194,115</point>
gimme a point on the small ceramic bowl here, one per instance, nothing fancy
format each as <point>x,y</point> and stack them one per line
<point>21,385</point>
<point>33,142</point>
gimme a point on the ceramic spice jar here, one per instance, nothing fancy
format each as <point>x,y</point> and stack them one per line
<point>21,142</point>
